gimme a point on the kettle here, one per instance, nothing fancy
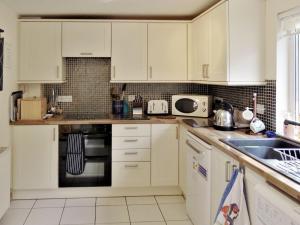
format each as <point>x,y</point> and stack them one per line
<point>223,119</point>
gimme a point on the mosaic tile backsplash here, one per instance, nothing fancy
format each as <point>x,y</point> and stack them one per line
<point>88,83</point>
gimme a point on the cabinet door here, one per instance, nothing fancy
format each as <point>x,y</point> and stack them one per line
<point>200,47</point>
<point>183,159</point>
<point>129,52</point>
<point>4,180</point>
<point>164,155</point>
<point>35,158</point>
<point>86,39</point>
<point>40,52</point>
<point>221,167</point>
<point>167,51</point>
<point>217,70</point>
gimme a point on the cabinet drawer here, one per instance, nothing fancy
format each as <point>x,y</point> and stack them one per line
<point>133,174</point>
<point>130,155</point>
<point>131,130</point>
<point>130,142</point>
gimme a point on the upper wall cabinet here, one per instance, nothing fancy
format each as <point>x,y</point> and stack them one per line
<point>40,52</point>
<point>86,39</point>
<point>167,51</point>
<point>129,52</point>
<point>227,44</point>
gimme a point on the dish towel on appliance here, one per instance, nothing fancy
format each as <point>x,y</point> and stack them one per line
<point>233,208</point>
<point>75,154</point>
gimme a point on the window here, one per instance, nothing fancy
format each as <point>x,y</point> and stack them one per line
<point>288,68</point>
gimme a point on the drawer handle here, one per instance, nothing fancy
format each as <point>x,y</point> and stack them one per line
<point>131,140</point>
<point>227,171</point>
<point>130,153</point>
<point>131,128</point>
<point>86,53</point>
<point>3,149</point>
<point>131,166</point>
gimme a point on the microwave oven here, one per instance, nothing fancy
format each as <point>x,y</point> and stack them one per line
<point>192,105</point>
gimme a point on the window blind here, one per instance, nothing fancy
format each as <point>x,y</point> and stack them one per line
<point>290,22</point>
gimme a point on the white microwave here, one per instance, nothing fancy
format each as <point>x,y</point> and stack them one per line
<point>192,105</point>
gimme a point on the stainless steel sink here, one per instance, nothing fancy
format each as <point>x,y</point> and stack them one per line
<point>280,154</point>
<point>262,148</point>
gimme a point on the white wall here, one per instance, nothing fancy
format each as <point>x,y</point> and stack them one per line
<point>273,8</point>
<point>8,22</point>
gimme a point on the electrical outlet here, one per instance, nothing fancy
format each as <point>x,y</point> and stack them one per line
<point>260,109</point>
<point>64,99</point>
<point>131,98</point>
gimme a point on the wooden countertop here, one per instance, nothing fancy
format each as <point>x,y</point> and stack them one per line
<point>60,120</point>
<point>209,135</point>
<point>282,183</point>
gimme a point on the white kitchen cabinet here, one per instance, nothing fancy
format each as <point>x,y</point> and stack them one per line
<point>131,147</point>
<point>129,52</point>
<point>40,53</point>
<point>86,39</point>
<point>222,166</point>
<point>130,174</point>
<point>182,158</point>
<point>4,180</point>
<point>167,51</point>
<point>164,155</point>
<point>198,48</point>
<point>231,40</point>
<point>35,157</point>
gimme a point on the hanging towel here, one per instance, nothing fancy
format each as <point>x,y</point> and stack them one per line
<point>75,154</point>
<point>233,208</point>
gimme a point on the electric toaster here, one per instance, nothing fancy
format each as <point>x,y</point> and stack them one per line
<point>157,107</point>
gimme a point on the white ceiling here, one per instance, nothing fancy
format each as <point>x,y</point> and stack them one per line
<point>112,8</point>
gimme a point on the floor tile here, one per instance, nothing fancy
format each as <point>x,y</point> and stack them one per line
<point>149,223</point>
<point>49,203</point>
<point>21,204</point>
<point>78,215</point>
<point>112,223</point>
<point>14,217</point>
<point>111,214</point>
<point>111,201</point>
<point>73,202</point>
<point>140,200</point>
<point>44,216</point>
<point>186,222</point>
<point>169,199</point>
<point>144,213</point>
<point>174,211</point>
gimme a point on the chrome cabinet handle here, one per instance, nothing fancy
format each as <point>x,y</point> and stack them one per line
<point>86,53</point>
<point>150,72</point>
<point>207,76</point>
<point>131,128</point>
<point>227,172</point>
<point>3,149</point>
<point>130,140</point>
<point>54,134</point>
<point>130,153</point>
<point>192,147</point>
<point>58,71</point>
<point>203,71</point>
<point>131,165</point>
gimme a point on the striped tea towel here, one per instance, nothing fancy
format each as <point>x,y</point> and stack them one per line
<point>233,209</point>
<point>75,154</point>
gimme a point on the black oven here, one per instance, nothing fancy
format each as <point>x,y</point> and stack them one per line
<point>97,156</point>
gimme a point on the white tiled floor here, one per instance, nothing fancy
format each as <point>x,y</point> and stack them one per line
<point>150,210</point>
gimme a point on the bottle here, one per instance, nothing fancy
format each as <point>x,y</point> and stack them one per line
<point>125,107</point>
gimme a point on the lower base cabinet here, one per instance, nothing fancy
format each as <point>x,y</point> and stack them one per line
<point>164,155</point>
<point>35,157</point>
<point>4,180</point>
<point>130,174</point>
<point>222,166</point>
